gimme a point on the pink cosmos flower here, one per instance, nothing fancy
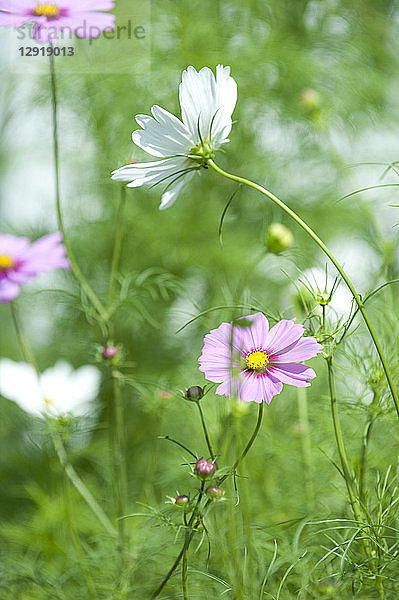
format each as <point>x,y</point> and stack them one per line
<point>21,260</point>
<point>252,362</point>
<point>82,17</point>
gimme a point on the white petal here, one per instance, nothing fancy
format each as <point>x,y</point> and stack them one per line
<point>209,102</point>
<point>20,383</point>
<point>153,172</point>
<point>162,135</point>
<point>170,197</point>
<point>83,387</point>
<point>68,391</point>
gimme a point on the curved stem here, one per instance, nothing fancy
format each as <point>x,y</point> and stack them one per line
<point>208,442</point>
<point>332,258</point>
<point>74,266</point>
<point>251,441</point>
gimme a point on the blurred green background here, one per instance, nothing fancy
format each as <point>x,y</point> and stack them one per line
<point>317,98</point>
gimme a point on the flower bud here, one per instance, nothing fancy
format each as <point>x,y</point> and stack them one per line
<point>204,469</point>
<point>278,238</point>
<point>214,492</point>
<point>194,393</point>
<point>164,395</point>
<point>109,352</point>
<point>310,99</point>
<point>182,500</point>
<point>326,587</point>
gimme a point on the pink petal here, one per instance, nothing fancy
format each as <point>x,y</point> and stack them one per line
<point>298,351</point>
<point>90,25</point>
<point>251,389</point>
<point>229,387</point>
<point>283,334</point>
<point>88,5</point>
<point>293,374</point>
<point>255,336</point>
<point>8,290</point>
<point>13,246</point>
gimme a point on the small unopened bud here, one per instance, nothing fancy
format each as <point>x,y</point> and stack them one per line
<point>194,393</point>
<point>326,587</point>
<point>323,298</point>
<point>204,469</point>
<point>109,352</point>
<point>310,99</point>
<point>278,238</point>
<point>214,491</point>
<point>182,500</point>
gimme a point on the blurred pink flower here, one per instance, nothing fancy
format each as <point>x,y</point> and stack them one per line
<point>21,260</point>
<point>82,17</point>
<point>252,362</point>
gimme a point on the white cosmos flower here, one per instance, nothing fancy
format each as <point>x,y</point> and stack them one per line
<point>207,103</point>
<point>57,392</point>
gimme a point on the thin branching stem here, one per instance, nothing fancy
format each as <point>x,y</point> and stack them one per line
<point>191,528</point>
<point>335,262</point>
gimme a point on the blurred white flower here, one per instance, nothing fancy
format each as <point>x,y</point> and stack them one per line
<point>57,392</point>
<point>207,103</point>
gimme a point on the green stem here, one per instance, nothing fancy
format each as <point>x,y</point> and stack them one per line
<point>74,266</point>
<point>208,502</point>
<point>80,486</point>
<point>306,442</point>
<point>250,442</point>
<point>69,470</point>
<point>120,462</point>
<point>25,349</point>
<point>208,442</point>
<point>117,246</point>
<point>363,458</point>
<point>346,470</point>
<point>187,540</point>
<point>184,574</point>
<point>76,541</point>
<point>335,262</point>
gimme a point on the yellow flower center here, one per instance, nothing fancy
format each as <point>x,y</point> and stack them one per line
<point>6,262</point>
<point>47,10</point>
<point>257,361</point>
<point>49,403</point>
